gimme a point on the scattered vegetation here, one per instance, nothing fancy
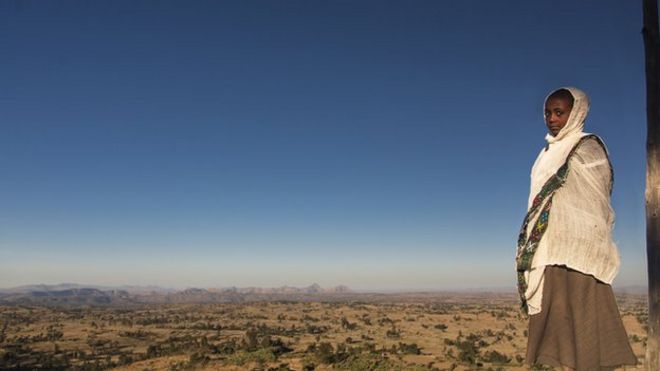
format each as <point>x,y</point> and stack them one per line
<point>276,336</point>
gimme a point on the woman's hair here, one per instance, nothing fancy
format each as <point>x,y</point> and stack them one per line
<point>562,94</point>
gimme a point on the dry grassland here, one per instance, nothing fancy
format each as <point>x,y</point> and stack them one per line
<point>422,333</point>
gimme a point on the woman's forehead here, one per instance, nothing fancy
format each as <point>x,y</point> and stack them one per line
<point>557,102</point>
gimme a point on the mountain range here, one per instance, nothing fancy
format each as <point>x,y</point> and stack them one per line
<point>76,294</point>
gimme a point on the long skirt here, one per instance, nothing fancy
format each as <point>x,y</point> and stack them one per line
<point>579,325</point>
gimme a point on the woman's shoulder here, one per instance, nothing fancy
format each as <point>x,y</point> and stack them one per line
<point>591,148</point>
<point>591,143</point>
<point>591,140</point>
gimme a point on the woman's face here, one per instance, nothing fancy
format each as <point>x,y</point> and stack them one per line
<point>556,114</point>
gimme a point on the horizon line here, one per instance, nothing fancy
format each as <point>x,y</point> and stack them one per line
<point>485,288</point>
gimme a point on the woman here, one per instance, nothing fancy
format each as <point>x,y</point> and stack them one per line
<point>566,258</point>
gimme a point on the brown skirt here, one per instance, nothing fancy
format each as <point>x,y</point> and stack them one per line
<point>579,325</point>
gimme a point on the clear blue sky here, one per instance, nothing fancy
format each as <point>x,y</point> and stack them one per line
<point>376,144</point>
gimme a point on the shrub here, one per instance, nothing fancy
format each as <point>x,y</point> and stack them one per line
<point>345,324</point>
<point>393,333</point>
<point>325,352</point>
<point>409,348</point>
<point>496,357</point>
<point>468,351</point>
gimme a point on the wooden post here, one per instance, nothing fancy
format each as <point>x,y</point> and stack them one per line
<point>652,54</point>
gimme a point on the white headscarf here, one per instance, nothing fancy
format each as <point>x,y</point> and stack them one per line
<point>553,156</point>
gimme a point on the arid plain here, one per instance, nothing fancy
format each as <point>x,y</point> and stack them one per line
<point>436,331</point>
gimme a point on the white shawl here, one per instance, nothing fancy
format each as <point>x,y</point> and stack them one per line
<point>581,218</point>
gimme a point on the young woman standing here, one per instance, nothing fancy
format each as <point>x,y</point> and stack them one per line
<point>566,259</point>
